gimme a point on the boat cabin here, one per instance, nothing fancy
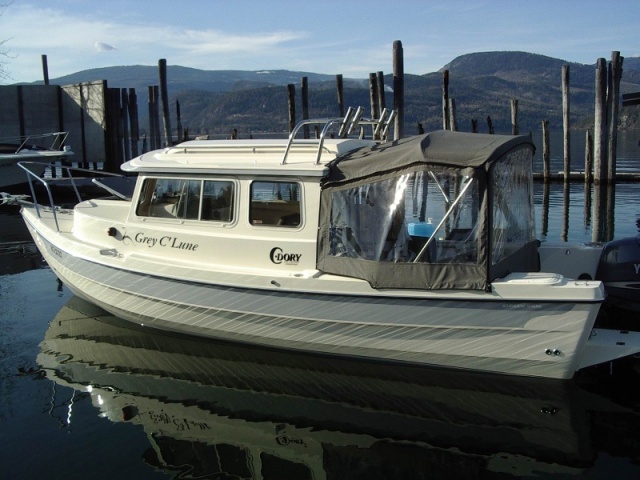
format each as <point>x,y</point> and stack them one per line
<point>445,210</point>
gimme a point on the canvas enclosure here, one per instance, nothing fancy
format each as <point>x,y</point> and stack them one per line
<point>445,210</point>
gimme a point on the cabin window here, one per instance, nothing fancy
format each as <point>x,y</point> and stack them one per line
<point>186,199</point>
<point>423,216</point>
<point>275,204</point>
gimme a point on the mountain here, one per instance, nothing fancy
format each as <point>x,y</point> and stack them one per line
<point>185,78</point>
<point>482,85</point>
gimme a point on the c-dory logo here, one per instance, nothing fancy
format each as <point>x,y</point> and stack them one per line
<point>277,256</point>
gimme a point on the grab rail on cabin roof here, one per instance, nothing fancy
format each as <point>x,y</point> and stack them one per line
<point>348,124</point>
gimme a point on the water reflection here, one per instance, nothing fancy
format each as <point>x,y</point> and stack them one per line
<point>211,409</point>
<point>575,212</point>
<point>18,253</point>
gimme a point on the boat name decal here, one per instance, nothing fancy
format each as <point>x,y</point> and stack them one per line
<point>166,241</point>
<point>522,306</point>
<point>637,267</point>
<point>56,251</point>
<point>277,256</point>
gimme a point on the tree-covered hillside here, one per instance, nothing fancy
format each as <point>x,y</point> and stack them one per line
<point>482,85</point>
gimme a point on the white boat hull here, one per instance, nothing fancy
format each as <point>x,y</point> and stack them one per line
<point>532,338</point>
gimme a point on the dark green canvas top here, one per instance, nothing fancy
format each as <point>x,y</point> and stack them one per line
<point>443,148</point>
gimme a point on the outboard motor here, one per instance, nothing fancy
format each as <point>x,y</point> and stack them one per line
<point>619,270</point>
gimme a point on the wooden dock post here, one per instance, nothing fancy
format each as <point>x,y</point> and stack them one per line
<point>566,126</point>
<point>291,98</point>
<point>545,208</point>
<point>45,70</point>
<point>613,99</point>
<point>373,95</point>
<point>178,121</point>
<point>588,158</point>
<point>154,118</point>
<point>304,94</point>
<point>126,136</point>
<point>133,121</point>
<point>398,89</point>
<point>339,88</point>
<point>453,122</point>
<point>381,100</point>
<point>564,236</point>
<point>164,96</point>
<point>546,156</point>
<point>445,100</point>
<point>515,128</point>
<point>599,124</point>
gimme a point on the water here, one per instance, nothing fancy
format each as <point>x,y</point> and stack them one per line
<point>83,396</point>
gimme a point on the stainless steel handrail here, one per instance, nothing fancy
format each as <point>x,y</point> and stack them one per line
<point>348,124</point>
<point>31,175</point>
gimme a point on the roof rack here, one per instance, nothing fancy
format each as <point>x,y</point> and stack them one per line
<point>348,125</point>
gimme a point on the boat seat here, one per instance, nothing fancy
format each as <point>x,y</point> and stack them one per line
<point>277,212</point>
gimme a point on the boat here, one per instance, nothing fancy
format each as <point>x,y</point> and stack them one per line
<point>47,147</point>
<point>251,408</point>
<point>420,250</point>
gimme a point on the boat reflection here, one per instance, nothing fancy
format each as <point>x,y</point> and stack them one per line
<point>211,408</point>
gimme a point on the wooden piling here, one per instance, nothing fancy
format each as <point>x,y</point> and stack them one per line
<point>398,89</point>
<point>45,70</point>
<point>373,95</point>
<point>340,91</point>
<point>164,96</point>
<point>453,122</point>
<point>596,227</point>
<point>613,99</point>
<point>546,156</point>
<point>490,124</point>
<point>114,130</point>
<point>381,100</point>
<point>154,118</point>
<point>515,128</point>
<point>599,123</point>
<point>566,199</point>
<point>179,122</point>
<point>445,100</point>
<point>545,209</point>
<point>133,122</point>
<point>588,158</point>
<point>126,137</point>
<point>291,98</point>
<point>566,126</point>
<point>304,93</point>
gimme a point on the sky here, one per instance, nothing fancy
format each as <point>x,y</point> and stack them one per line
<point>348,37</point>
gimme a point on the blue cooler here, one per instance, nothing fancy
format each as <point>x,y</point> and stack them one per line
<point>420,229</point>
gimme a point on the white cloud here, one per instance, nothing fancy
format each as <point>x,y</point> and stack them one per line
<point>63,38</point>
<point>104,47</point>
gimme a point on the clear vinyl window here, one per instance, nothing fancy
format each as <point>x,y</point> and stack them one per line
<point>424,216</point>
